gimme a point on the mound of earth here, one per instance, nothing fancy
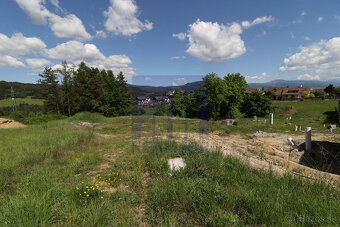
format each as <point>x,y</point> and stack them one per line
<point>7,123</point>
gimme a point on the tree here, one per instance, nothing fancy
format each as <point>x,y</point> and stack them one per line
<point>306,94</point>
<point>330,90</point>
<point>256,104</point>
<point>210,97</point>
<point>67,72</point>
<point>236,90</point>
<point>88,88</point>
<point>117,95</point>
<point>177,106</point>
<point>50,88</point>
<point>192,109</point>
<point>218,98</point>
<point>161,109</point>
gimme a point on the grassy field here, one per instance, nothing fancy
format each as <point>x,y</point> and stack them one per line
<point>27,100</point>
<point>67,173</point>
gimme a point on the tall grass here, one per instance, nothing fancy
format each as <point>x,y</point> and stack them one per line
<point>221,191</point>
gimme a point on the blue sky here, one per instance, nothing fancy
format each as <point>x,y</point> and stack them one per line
<point>151,39</point>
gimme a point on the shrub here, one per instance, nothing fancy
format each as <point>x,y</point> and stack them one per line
<point>138,110</point>
<point>161,109</point>
<point>88,117</point>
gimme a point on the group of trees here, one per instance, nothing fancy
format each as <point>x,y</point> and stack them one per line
<point>68,91</point>
<point>216,98</point>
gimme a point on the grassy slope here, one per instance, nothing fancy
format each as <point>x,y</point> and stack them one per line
<point>44,169</point>
<point>27,100</point>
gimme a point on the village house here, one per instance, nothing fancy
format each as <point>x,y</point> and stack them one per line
<point>289,93</point>
<point>164,99</point>
<point>250,90</point>
<point>143,100</point>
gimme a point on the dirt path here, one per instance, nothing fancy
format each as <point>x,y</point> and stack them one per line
<point>7,123</point>
<point>268,152</point>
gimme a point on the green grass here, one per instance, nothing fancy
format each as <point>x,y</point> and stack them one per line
<point>27,100</point>
<point>88,117</point>
<point>220,191</point>
<point>46,168</point>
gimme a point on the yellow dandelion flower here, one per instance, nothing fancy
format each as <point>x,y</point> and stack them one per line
<point>80,194</point>
<point>77,188</point>
<point>84,192</point>
<point>87,195</point>
<point>102,197</point>
<point>87,187</point>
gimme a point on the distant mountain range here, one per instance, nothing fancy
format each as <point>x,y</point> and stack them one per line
<point>274,83</point>
<point>23,90</point>
<point>295,83</point>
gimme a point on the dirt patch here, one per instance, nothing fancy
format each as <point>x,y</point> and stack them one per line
<point>288,111</point>
<point>7,123</point>
<point>268,152</point>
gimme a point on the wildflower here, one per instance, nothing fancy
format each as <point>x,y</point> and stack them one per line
<point>84,192</point>
<point>80,194</point>
<point>87,195</point>
<point>102,197</point>
<point>77,188</point>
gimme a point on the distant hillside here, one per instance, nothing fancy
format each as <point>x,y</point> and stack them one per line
<point>295,83</point>
<point>22,90</point>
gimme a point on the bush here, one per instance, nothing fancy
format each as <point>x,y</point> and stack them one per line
<point>161,109</point>
<point>256,104</point>
<point>137,110</point>
<point>88,117</point>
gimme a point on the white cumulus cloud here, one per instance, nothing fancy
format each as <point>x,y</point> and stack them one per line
<point>75,52</point>
<point>9,61</point>
<point>306,76</point>
<point>101,34</point>
<point>122,18</point>
<point>259,20</point>
<point>180,81</point>
<point>321,58</point>
<point>212,42</point>
<point>56,4</point>
<point>257,77</point>
<point>69,26</point>
<point>180,36</point>
<point>307,38</point>
<point>37,64</point>
<point>178,57</point>
<point>18,44</point>
<point>320,19</point>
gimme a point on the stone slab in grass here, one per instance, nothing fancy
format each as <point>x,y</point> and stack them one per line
<point>176,164</point>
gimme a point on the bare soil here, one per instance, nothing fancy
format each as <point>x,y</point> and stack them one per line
<point>7,123</point>
<point>271,151</point>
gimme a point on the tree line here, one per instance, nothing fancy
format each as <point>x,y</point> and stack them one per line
<point>216,98</point>
<point>68,91</point>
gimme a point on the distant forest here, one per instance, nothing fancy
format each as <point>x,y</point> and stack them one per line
<point>21,90</point>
